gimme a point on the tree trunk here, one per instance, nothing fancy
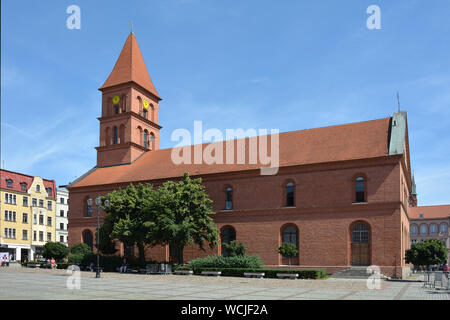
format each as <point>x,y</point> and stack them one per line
<point>180,255</point>
<point>141,255</point>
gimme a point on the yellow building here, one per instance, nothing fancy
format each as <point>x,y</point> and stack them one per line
<point>27,214</point>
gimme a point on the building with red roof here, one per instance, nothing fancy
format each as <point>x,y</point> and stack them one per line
<point>27,214</point>
<point>343,194</point>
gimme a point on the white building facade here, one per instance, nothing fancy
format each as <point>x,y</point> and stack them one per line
<point>62,212</point>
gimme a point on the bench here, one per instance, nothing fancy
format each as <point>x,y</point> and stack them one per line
<point>33,265</point>
<point>291,276</point>
<point>212,273</point>
<point>254,274</point>
<point>184,272</point>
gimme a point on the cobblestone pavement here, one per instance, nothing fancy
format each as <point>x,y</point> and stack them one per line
<point>24,284</point>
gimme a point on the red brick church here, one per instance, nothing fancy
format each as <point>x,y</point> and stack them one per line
<point>342,193</point>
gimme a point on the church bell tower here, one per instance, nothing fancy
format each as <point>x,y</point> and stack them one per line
<point>129,120</point>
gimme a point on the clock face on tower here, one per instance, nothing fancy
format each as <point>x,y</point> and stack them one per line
<point>145,104</point>
<point>115,100</point>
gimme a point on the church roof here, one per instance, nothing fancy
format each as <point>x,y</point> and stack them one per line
<point>130,67</point>
<point>430,212</point>
<point>361,140</point>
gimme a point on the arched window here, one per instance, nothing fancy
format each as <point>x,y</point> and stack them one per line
<point>107,136</point>
<point>414,230</point>
<point>290,194</point>
<point>423,229</point>
<point>122,133</point>
<point>23,186</point>
<point>227,234</point>
<point>116,136</point>
<point>139,130</point>
<point>152,112</point>
<point>38,188</point>
<point>140,104</point>
<point>9,183</point>
<point>443,228</point>
<point>87,207</point>
<point>145,138</point>
<point>116,109</point>
<point>360,233</point>
<point>49,192</point>
<point>360,190</point>
<point>144,113</point>
<point>152,141</point>
<point>290,235</point>
<point>229,198</point>
<point>88,238</point>
<point>433,228</point>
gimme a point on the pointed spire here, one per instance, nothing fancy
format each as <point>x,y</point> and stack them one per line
<point>130,67</point>
<point>413,183</point>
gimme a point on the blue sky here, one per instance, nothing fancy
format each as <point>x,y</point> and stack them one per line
<point>287,65</point>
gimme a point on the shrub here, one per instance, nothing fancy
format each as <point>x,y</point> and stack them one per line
<point>55,250</point>
<point>75,258</point>
<point>62,265</point>
<point>80,248</point>
<point>234,248</point>
<point>269,273</point>
<point>226,262</point>
<point>77,252</point>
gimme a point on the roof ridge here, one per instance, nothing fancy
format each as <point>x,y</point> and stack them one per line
<point>269,134</point>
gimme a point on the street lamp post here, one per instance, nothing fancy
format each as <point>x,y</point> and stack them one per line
<point>98,202</point>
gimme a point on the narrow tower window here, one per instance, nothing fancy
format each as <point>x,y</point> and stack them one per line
<point>116,136</point>
<point>145,138</point>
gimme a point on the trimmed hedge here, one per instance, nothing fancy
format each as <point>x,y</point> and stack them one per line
<point>111,263</point>
<point>221,262</point>
<point>269,273</point>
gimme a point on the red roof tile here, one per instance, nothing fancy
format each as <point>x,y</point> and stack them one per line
<point>130,66</point>
<point>328,144</point>
<point>18,178</point>
<point>430,212</point>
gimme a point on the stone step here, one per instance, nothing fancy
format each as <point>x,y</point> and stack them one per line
<point>353,273</point>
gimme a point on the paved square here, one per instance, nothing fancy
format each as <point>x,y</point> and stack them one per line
<point>38,284</point>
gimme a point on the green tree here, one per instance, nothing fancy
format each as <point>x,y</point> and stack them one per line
<point>55,250</point>
<point>78,251</point>
<point>288,250</point>
<point>182,215</point>
<point>128,218</point>
<point>234,248</point>
<point>427,253</point>
<point>107,244</point>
